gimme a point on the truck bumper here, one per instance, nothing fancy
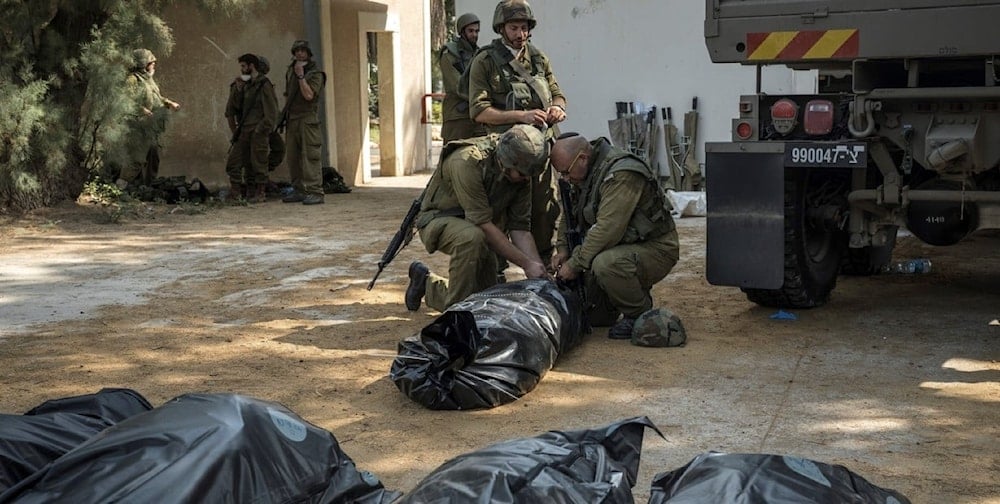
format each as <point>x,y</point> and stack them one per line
<point>745,228</point>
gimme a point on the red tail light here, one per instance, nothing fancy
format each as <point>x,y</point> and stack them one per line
<point>744,130</point>
<point>818,117</point>
<point>784,115</point>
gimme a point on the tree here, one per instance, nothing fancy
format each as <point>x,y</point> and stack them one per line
<point>63,102</point>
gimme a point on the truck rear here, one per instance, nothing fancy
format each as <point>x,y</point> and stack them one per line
<point>902,131</point>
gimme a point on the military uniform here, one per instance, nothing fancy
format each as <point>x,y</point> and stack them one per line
<point>468,189</point>
<point>303,135</point>
<point>144,129</point>
<point>630,240</point>
<point>494,82</point>
<point>453,59</point>
<point>256,107</point>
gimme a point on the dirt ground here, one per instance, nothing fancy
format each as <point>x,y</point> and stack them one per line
<point>897,378</point>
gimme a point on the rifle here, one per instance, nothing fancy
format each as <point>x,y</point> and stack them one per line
<point>574,239</point>
<point>401,239</point>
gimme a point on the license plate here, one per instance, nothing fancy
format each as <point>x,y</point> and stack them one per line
<point>840,155</point>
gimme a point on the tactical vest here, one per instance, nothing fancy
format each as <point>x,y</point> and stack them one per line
<point>515,92</point>
<point>651,218</point>
<point>456,102</point>
<point>251,107</point>
<point>431,207</point>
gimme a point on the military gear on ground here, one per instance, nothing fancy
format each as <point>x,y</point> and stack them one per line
<point>524,149</point>
<point>658,327</point>
<point>465,20</point>
<point>333,182</point>
<point>512,10</point>
<point>141,58</point>
<point>301,44</point>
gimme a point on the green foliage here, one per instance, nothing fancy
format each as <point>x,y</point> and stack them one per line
<point>64,105</point>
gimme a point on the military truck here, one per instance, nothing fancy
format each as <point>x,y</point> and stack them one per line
<point>902,131</point>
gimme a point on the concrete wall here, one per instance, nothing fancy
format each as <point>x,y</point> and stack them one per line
<point>649,51</point>
<point>203,63</point>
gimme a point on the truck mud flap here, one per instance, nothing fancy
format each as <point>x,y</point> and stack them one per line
<point>745,225</point>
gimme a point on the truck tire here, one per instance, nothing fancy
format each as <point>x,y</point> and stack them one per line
<point>813,251</point>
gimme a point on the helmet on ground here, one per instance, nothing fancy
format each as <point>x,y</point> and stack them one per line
<point>523,148</point>
<point>512,10</point>
<point>658,327</point>
<point>142,57</point>
<point>301,44</point>
<point>264,65</point>
<point>465,20</point>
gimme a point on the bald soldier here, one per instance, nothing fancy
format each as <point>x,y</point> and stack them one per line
<point>629,239</point>
<point>475,208</point>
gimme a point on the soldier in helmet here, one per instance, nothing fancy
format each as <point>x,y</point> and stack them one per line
<point>149,120</point>
<point>453,59</point>
<point>303,136</point>
<point>476,207</point>
<point>255,108</point>
<point>629,238</point>
<point>511,82</point>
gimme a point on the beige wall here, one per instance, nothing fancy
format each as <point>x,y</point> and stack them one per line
<point>198,72</point>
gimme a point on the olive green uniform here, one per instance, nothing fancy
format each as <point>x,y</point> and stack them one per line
<point>630,240</point>
<point>493,82</point>
<point>255,106</point>
<point>453,58</point>
<point>468,190</point>
<point>144,130</point>
<point>303,135</point>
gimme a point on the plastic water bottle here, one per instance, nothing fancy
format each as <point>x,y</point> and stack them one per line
<point>909,266</point>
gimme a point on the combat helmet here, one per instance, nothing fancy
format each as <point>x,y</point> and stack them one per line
<point>141,58</point>
<point>264,65</point>
<point>512,10</point>
<point>465,20</point>
<point>524,149</point>
<point>301,44</point>
<point>658,327</point>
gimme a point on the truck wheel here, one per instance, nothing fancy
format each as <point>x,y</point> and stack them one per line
<point>867,261</point>
<point>813,245</point>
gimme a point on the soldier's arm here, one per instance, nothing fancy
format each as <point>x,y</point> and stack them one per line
<point>270,104</point>
<point>620,194</point>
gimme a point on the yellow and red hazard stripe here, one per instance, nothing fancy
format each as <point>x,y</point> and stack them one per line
<point>802,45</point>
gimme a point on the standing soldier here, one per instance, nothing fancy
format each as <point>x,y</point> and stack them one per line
<point>511,82</point>
<point>276,144</point>
<point>255,109</point>
<point>453,59</point>
<point>149,120</point>
<point>303,136</point>
<point>629,238</point>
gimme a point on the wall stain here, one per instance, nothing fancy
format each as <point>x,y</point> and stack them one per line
<point>591,8</point>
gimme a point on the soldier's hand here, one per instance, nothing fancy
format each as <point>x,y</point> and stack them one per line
<point>536,270</point>
<point>534,117</point>
<point>567,273</point>
<point>558,260</point>
<point>555,114</point>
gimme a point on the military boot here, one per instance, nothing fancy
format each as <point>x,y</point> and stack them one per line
<point>259,194</point>
<point>235,192</point>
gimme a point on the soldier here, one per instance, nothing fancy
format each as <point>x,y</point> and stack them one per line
<point>629,238</point>
<point>303,137</point>
<point>511,82</point>
<point>276,144</point>
<point>255,109</point>
<point>476,207</point>
<point>149,120</point>
<point>453,59</point>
